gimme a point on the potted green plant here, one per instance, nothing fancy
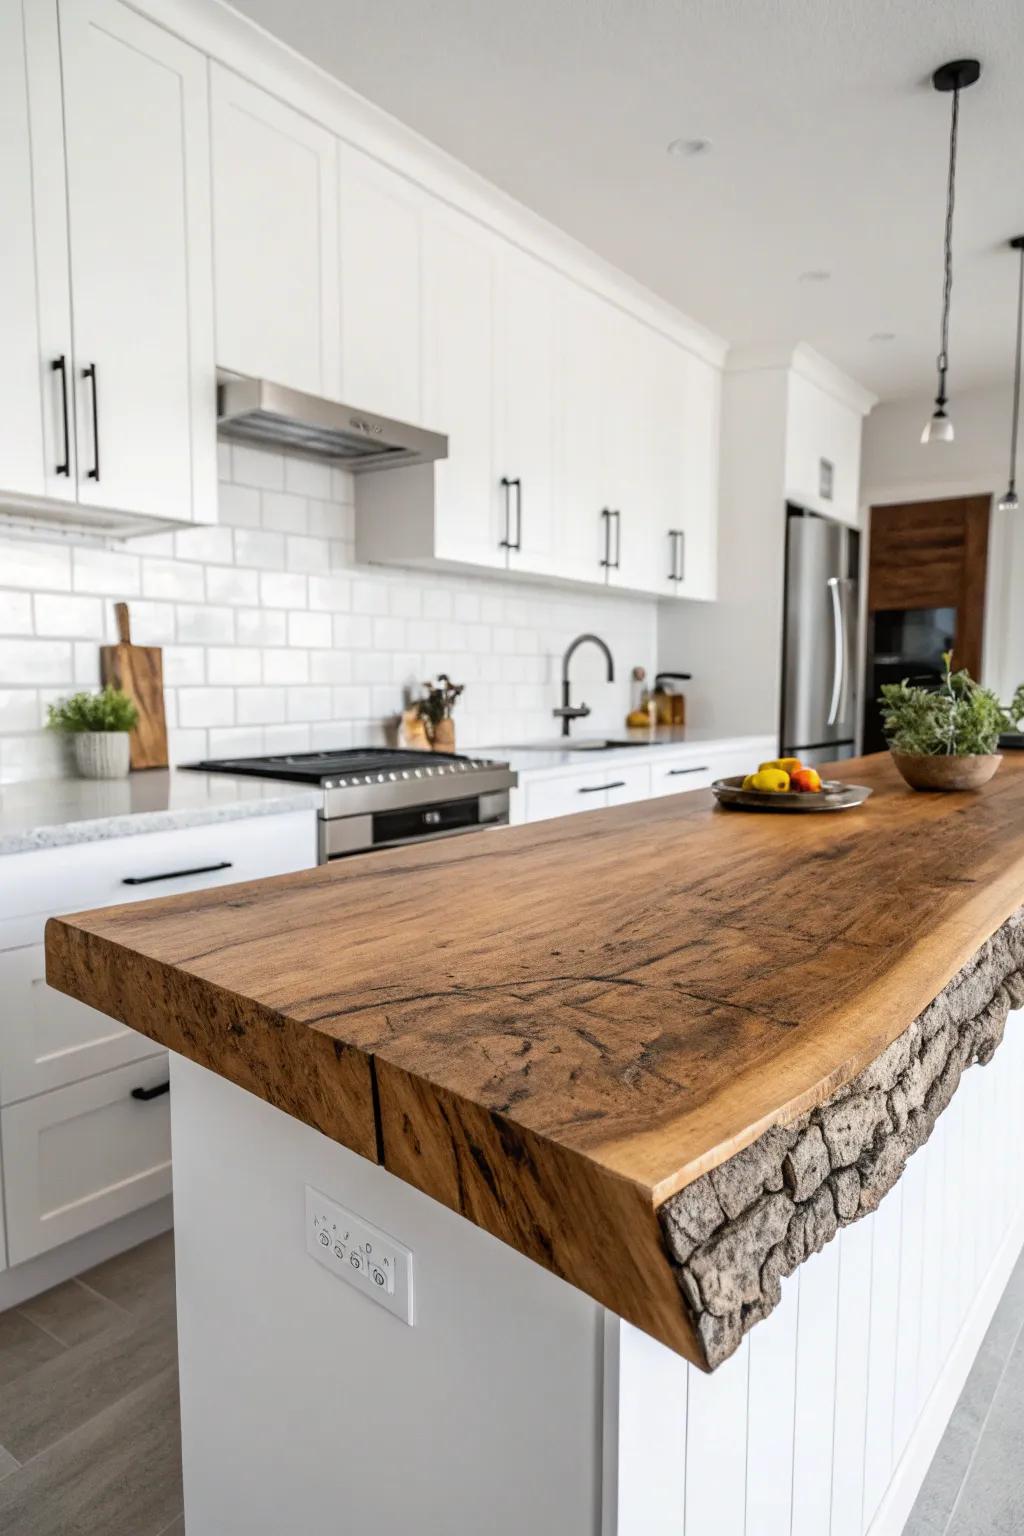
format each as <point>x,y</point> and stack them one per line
<point>98,724</point>
<point>944,738</point>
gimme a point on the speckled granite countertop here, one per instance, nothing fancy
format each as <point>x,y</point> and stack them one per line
<point>54,813</point>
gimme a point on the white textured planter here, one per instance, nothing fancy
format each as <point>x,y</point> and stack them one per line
<point>102,754</point>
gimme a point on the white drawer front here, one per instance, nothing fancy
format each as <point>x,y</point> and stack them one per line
<point>630,783</point>
<point>109,873</point>
<point>84,1155</point>
<point>47,1039</point>
<point>675,775</point>
<point>566,795</point>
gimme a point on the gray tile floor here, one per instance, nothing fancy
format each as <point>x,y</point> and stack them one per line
<point>89,1439</point>
<point>975,1485</point>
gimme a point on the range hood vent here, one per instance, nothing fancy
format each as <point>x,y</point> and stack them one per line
<point>255,411</point>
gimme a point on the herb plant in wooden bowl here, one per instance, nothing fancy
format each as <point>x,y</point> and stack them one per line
<point>944,738</point>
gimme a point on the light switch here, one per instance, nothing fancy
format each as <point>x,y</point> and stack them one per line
<point>356,1251</point>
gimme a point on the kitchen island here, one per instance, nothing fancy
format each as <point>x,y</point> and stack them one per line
<point>664,1053</point>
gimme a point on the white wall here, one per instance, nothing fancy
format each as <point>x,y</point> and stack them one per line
<point>896,467</point>
<point>276,640</point>
<point>733,646</point>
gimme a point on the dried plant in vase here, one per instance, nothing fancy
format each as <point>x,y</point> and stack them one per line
<point>435,712</point>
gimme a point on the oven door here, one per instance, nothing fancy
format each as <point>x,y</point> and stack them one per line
<point>343,836</point>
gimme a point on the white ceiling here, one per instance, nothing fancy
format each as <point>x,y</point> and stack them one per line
<point>828,151</point>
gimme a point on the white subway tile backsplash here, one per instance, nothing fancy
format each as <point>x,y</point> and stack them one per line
<point>286,665</point>
<point>312,629</point>
<point>206,706</point>
<point>275,639</point>
<point>284,513</point>
<point>172,579</point>
<point>261,626</point>
<point>280,589</point>
<point>68,616</point>
<point>15,613</point>
<point>257,547</point>
<point>225,584</point>
<point>234,664</point>
<point>36,661</point>
<point>307,477</point>
<point>255,466</point>
<point>261,706</point>
<point>212,545</point>
<point>105,571</point>
<point>38,567</point>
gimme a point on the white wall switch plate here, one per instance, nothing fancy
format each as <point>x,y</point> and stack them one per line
<point>357,1251</point>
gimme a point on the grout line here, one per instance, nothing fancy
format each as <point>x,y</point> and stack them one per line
<point>106,1299</point>
<point>42,1328</point>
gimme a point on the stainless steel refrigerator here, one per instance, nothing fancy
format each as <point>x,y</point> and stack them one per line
<point>820,653</point>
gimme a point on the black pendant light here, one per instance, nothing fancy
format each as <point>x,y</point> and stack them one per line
<point>1008,502</point>
<point>955,77</point>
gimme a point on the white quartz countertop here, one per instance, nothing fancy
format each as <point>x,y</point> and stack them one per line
<point>550,758</point>
<point>54,813</point>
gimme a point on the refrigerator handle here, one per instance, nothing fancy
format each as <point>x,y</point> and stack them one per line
<point>839,668</point>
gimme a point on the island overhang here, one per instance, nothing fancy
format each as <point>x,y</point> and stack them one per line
<point>557,1029</point>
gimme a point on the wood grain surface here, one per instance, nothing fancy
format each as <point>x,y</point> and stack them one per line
<point>138,670</point>
<point>554,1028</point>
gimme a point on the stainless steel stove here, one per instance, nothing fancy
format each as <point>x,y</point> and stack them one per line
<point>381,797</point>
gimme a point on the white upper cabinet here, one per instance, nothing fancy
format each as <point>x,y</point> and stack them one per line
<point>104,133</point>
<point>582,491</point>
<point>380,224</point>
<point>823,436</point>
<point>135,103</point>
<point>527,295</point>
<point>459,261</point>
<point>275,238</point>
<point>688,395</point>
<point>36,435</point>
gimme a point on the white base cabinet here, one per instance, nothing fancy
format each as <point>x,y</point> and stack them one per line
<point>83,1140</point>
<point>825,1420</point>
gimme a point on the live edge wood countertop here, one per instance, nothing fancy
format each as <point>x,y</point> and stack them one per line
<point>555,1028</point>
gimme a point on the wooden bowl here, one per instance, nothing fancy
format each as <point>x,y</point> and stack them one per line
<point>922,771</point>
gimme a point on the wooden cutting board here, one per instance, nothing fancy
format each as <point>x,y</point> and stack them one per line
<point>138,670</point>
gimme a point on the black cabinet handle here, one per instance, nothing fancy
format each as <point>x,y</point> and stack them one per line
<point>59,365</point>
<point>618,539</point>
<point>599,789</point>
<point>607,514</point>
<point>145,1094</point>
<point>508,542</point>
<point>176,874</point>
<point>672,772</point>
<point>90,374</point>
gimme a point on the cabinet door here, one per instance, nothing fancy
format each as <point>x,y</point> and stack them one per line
<point>136,131</point>
<point>48,1039</point>
<point>84,1155</point>
<point>581,478</point>
<point>823,438</point>
<point>458,386</point>
<point>629,783</point>
<point>36,441</point>
<point>379,231</point>
<point>275,238</point>
<point>525,371</point>
<point>633,417</point>
<point>688,400</point>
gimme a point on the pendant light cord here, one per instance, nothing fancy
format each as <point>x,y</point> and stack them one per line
<point>947,278</point>
<point>1015,424</point>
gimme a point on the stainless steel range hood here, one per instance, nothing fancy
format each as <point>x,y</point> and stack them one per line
<point>256,411</point>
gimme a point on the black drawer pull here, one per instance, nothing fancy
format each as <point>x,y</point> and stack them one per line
<point>90,374</point>
<point>598,789</point>
<point>177,874</point>
<point>145,1094</point>
<point>59,365</point>
<point>673,771</point>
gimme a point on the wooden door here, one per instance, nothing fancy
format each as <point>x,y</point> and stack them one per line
<point>933,554</point>
<point>135,103</point>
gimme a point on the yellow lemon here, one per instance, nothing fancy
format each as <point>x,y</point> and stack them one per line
<point>774,780</point>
